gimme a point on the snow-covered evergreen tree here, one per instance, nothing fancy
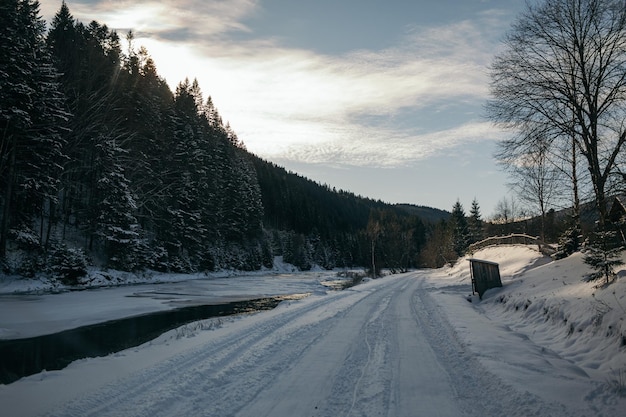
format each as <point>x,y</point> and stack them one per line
<point>460,232</point>
<point>67,264</point>
<point>89,57</point>
<point>570,240</point>
<point>116,223</point>
<point>31,119</point>
<point>298,251</point>
<point>603,254</point>
<point>475,223</point>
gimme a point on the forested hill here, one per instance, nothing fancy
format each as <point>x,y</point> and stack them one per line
<point>427,214</point>
<point>336,228</point>
<point>102,163</point>
<point>293,202</point>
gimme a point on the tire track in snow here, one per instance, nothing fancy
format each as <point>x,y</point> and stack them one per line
<point>363,385</point>
<point>215,377</point>
<point>322,381</point>
<point>370,322</point>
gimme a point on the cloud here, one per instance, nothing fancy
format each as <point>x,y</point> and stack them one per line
<point>295,103</point>
<point>189,19</point>
<point>388,148</point>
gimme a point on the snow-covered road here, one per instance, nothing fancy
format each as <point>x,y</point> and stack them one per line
<point>383,348</point>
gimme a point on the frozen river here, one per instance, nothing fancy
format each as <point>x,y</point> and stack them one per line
<point>31,315</point>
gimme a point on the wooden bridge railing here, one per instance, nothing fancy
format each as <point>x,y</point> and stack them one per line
<point>512,239</point>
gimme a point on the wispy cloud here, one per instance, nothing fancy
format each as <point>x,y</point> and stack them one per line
<point>387,148</point>
<point>294,103</point>
<point>191,19</point>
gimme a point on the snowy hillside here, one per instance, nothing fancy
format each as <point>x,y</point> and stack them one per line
<point>553,305</point>
<point>546,344</point>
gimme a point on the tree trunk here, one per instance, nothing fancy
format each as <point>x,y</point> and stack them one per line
<point>8,197</point>
<point>373,262</point>
<point>575,184</point>
<point>51,221</point>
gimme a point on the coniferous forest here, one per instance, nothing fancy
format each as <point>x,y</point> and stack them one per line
<point>101,163</point>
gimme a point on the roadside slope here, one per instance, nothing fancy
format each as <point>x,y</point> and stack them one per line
<point>546,330</point>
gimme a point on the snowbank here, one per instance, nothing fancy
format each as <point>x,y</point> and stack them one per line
<point>548,302</point>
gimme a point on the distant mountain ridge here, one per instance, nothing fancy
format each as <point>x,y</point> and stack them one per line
<point>427,214</point>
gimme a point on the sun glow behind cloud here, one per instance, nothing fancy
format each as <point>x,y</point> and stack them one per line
<point>296,104</point>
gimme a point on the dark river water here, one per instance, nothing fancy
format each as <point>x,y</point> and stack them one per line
<point>23,357</point>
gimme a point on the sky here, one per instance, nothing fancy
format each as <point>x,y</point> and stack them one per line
<point>381,98</point>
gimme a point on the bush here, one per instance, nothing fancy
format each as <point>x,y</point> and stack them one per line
<point>68,264</point>
<point>30,265</point>
<point>569,242</point>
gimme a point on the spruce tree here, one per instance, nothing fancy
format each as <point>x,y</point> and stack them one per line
<point>460,232</point>
<point>475,223</point>
<point>570,240</point>
<point>66,46</point>
<point>603,254</point>
<point>90,57</point>
<point>116,224</point>
<point>185,231</point>
<point>146,110</point>
<point>31,119</point>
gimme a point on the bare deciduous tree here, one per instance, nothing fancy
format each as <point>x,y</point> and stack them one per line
<point>562,76</point>
<point>505,211</point>
<point>536,180</point>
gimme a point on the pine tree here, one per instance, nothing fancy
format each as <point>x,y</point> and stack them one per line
<point>570,240</point>
<point>90,58</point>
<point>184,232</point>
<point>31,120</point>
<point>475,223</point>
<point>116,224</point>
<point>66,46</point>
<point>242,209</point>
<point>460,232</point>
<point>603,254</point>
<point>146,109</point>
<point>298,251</point>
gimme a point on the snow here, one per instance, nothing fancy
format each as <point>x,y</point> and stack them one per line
<point>545,344</point>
